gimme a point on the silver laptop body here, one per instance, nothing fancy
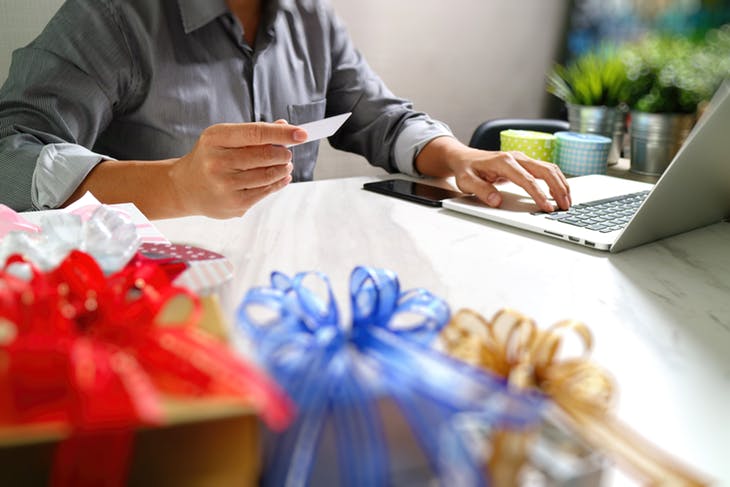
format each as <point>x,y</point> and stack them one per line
<point>693,192</point>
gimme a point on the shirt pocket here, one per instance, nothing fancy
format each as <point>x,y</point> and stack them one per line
<point>304,156</point>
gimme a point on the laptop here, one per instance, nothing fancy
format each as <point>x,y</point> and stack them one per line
<point>616,214</point>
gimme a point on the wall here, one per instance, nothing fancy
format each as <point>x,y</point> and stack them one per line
<point>20,22</point>
<point>462,61</point>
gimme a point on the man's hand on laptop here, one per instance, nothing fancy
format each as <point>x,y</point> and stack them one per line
<point>477,171</point>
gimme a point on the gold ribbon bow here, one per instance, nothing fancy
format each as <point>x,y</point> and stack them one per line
<point>512,346</point>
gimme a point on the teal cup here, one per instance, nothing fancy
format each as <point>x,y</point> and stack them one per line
<point>579,154</point>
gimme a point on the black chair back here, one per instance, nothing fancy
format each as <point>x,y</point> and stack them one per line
<point>486,135</point>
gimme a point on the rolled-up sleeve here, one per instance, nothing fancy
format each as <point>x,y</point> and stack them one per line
<point>413,137</point>
<point>60,94</point>
<point>383,128</point>
<point>59,170</point>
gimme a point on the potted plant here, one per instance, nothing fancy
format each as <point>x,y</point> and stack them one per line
<point>669,78</point>
<point>593,88</point>
<point>715,61</point>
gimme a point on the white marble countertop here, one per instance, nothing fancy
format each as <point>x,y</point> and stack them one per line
<point>660,313</point>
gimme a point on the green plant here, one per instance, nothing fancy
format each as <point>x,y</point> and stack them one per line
<point>657,74</point>
<point>595,78</point>
<point>676,74</point>
<point>716,58</point>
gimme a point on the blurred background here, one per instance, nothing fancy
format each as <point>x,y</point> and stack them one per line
<point>463,61</point>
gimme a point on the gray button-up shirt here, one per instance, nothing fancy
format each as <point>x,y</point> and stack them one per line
<point>140,80</point>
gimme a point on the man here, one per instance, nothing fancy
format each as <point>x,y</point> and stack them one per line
<point>184,107</point>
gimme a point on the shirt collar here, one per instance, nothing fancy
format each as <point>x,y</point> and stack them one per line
<point>270,12</point>
<point>196,13</point>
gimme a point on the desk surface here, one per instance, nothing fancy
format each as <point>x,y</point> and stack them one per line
<point>660,313</point>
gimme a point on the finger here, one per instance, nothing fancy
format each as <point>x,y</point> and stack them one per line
<point>561,189</point>
<point>484,190</point>
<point>510,168</point>
<point>256,133</point>
<point>249,197</point>
<point>282,121</point>
<point>556,181</point>
<point>258,178</point>
<point>551,174</point>
<point>247,158</point>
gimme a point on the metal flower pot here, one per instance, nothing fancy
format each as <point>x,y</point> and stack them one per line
<point>602,120</point>
<point>656,138</point>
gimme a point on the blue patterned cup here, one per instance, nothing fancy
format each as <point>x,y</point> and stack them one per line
<point>580,154</point>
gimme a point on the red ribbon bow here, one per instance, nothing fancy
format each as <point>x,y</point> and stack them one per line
<point>90,350</point>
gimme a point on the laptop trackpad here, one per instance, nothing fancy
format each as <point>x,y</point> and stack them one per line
<point>519,202</point>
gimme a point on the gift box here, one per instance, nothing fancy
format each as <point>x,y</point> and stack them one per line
<point>548,454</point>
<point>558,456</point>
<point>105,381</point>
<point>206,273</point>
<point>578,436</point>
<point>200,442</point>
<point>374,398</point>
<point>113,234</point>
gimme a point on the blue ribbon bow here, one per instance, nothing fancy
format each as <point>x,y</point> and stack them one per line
<point>337,374</point>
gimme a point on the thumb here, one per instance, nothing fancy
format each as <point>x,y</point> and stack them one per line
<point>484,190</point>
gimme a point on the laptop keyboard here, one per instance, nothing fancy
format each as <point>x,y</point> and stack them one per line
<point>605,215</point>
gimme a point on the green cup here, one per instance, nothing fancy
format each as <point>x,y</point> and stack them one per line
<point>538,145</point>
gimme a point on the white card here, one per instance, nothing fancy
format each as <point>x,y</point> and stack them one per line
<point>322,128</point>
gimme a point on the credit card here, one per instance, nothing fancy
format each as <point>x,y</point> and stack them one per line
<point>320,129</point>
